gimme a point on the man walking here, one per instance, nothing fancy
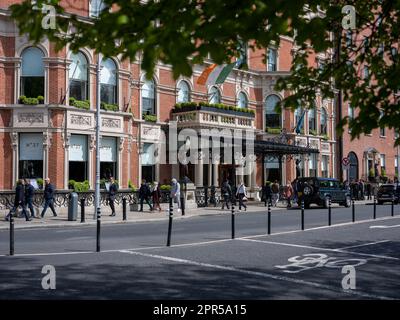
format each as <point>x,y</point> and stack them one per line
<point>176,193</point>
<point>112,192</point>
<point>144,194</point>
<point>19,201</point>
<point>48,198</point>
<point>226,193</point>
<point>241,194</point>
<point>29,193</point>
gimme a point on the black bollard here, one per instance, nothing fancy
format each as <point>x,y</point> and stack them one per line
<point>269,218</point>
<point>82,210</point>
<point>124,209</point>
<point>302,214</point>
<point>171,209</point>
<point>183,205</point>
<point>330,212</point>
<point>353,211</point>
<point>392,214</point>
<point>233,222</point>
<point>11,235</point>
<point>98,230</point>
<point>374,207</point>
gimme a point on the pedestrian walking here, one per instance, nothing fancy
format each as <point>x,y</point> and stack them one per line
<point>267,192</point>
<point>176,192</point>
<point>369,191</point>
<point>288,191</point>
<point>112,193</point>
<point>19,201</point>
<point>29,193</point>
<point>361,189</point>
<point>241,194</point>
<point>144,195</point>
<point>295,191</point>
<point>226,191</point>
<point>275,193</point>
<point>156,195</point>
<point>48,197</point>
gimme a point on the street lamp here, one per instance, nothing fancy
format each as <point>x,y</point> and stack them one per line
<point>98,124</point>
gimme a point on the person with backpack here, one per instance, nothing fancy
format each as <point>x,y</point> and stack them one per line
<point>226,191</point>
<point>112,192</point>
<point>144,194</point>
<point>275,193</point>
<point>19,201</point>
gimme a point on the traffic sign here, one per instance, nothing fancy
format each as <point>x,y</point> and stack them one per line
<point>346,161</point>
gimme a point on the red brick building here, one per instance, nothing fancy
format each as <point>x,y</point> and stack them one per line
<point>54,135</point>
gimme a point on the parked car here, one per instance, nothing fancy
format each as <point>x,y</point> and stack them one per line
<point>320,190</point>
<point>387,192</point>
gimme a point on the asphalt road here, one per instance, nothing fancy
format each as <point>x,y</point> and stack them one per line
<point>204,263</point>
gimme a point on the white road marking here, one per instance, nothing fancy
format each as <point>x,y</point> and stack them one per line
<point>364,244</point>
<point>259,274</point>
<point>322,249</point>
<point>384,227</point>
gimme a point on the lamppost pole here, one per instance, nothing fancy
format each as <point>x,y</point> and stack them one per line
<point>98,124</point>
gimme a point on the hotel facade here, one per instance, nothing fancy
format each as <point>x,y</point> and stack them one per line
<point>47,117</point>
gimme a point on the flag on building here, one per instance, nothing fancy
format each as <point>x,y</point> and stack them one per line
<point>216,74</point>
<point>299,124</point>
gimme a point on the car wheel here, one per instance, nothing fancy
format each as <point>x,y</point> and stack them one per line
<point>347,203</point>
<point>307,191</point>
<point>326,202</point>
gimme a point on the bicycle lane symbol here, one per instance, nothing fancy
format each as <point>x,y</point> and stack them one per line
<point>317,260</point>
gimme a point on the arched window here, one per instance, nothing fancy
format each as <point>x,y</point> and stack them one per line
<point>242,100</point>
<point>32,73</point>
<point>148,98</point>
<point>78,77</point>
<point>215,95</point>
<point>272,118</point>
<point>183,92</point>
<point>312,125</point>
<point>108,81</point>
<point>353,170</point>
<point>324,121</point>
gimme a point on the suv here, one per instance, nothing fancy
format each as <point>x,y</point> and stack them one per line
<point>320,190</point>
<point>387,192</point>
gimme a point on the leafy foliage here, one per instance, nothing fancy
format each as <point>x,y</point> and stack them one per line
<point>183,33</point>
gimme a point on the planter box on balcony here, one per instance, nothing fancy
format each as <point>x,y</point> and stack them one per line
<point>211,109</point>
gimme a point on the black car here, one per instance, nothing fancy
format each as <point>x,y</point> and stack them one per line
<point>387,192</point>
<point>320,190</point>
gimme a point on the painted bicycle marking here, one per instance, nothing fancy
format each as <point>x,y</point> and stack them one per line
<point>317,260</point>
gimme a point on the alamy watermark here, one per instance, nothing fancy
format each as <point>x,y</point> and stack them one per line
<point>49,280</point>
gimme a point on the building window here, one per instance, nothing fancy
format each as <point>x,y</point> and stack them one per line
<point>148,98</point>
<point>96,7</point>
<point>272,60</point>
<point>148,162</point>
<point>312,165</point>
<point>324,121</point>
<point>108,81</point>
<point>325,166</point>
<point>214,95</point>
<point>30,155</point>
<point>78,157</point>
<point>272,169</point>
<point>32,73</point>
<point>383,163</point>
<point>272,118</point>
<point>353,170</point>
<point>396,165</point>
<point>183,92</point>
<point>78,77</point>
<point>108,158</point>
<point>312,123</point>
<point>242,100</point>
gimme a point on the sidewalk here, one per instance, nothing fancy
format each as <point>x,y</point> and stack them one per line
<point>132,216</point>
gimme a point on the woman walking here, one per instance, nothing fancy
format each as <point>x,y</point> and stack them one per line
<point>241,193</point>
<point>156,194</point>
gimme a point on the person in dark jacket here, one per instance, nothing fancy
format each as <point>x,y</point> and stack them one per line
<point>48,196</point>
<point>156,195</point>
<point>19,201</point>
<point>226,191</point>
<point>29,193</point>
<point>112,192</point>
<point>267,193</point>
<point>144,194</point>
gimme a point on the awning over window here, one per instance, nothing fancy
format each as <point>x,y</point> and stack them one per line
<point>275,148</point>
